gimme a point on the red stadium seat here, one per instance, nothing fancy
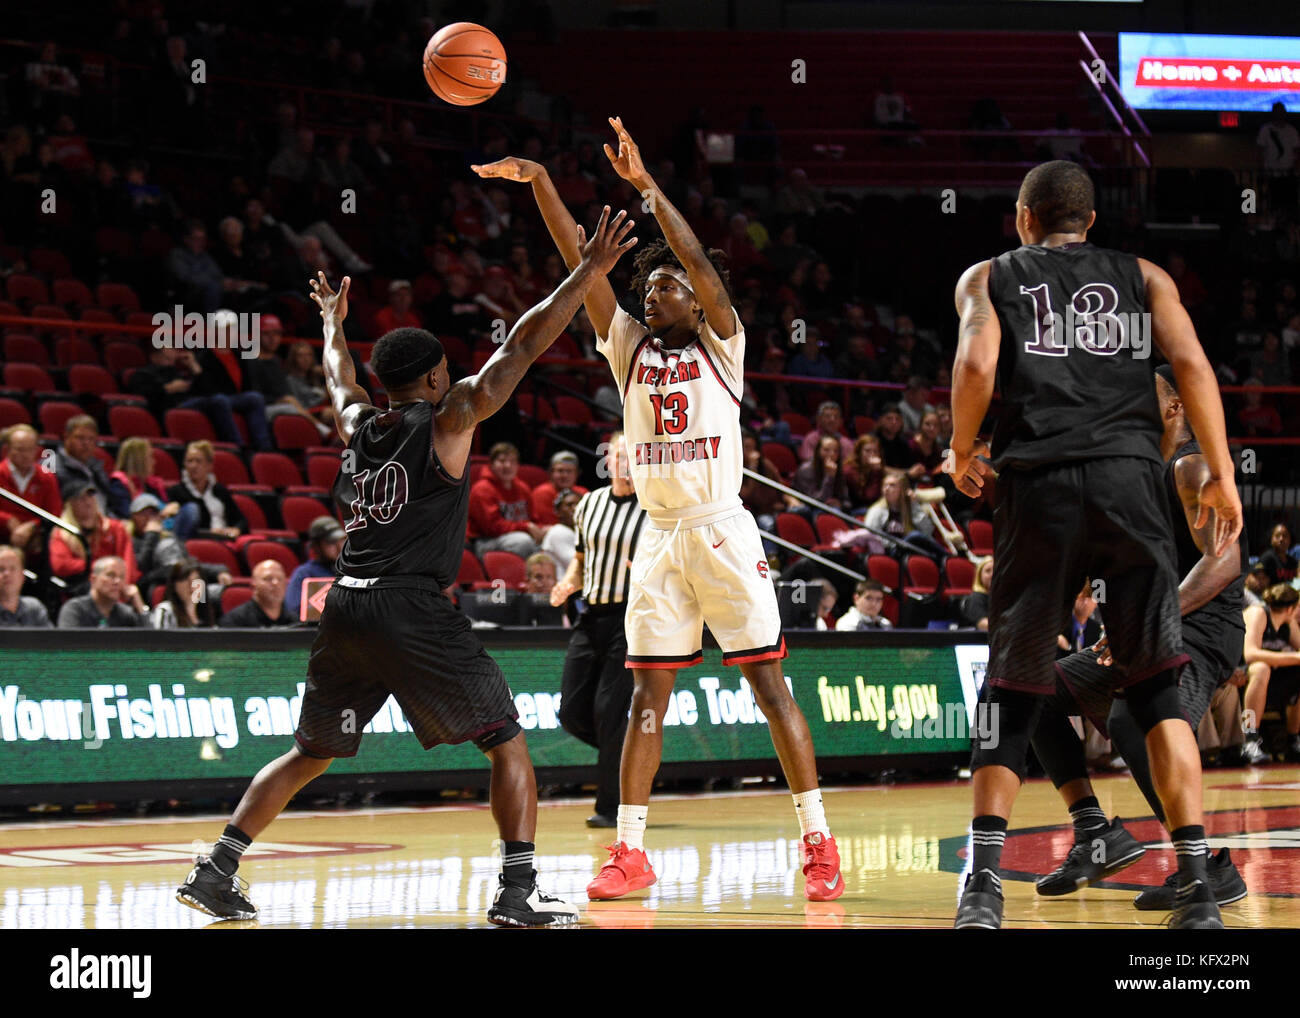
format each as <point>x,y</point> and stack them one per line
<point>884,570</point>
<point>105,457</point>
<point>890,609</point>
<point>120,357</point>
<point>959,575</point>
<point>799,424</point>
<point>981,537</point>
<point>91,378</point>
<point>535,407</point>
<point>69,350</point>
<point>73,293</point>
<point>132,422</point>
<point>571,410</point>
<point>188,426</point>
<point>922,576</point>
<point>13,412</point>
<point>29,377</point>
<point>471,570</point>
<point>214,553</point>
<point>294,432</point>
<point>54,414</point>
<point>164,466</point>
<point>259,551</point>
<point>19,346</point>
<point>505,565</point>
<point>228,467</point>
<point>111,241</point>
<point>782,457</point>
<point>233,596</point>
<point>275,469</point>
<point>24,289</point>
<point>299,510</point>
<point>51,311</point>
<point>827,527</point>
<point>252,512</point>
<point>532,475</point>
<point>117,297</point>
<point>863,425</point>
<point>50,262</point>
<point>322,470</point>
<point>792,527</point>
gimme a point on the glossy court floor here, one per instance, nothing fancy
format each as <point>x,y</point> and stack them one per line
<point>724,861</point>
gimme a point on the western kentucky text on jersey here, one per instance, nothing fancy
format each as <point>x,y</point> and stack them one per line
<point>659,453</point>
<point>682,371</point>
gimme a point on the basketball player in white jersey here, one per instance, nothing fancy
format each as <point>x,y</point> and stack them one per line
<point>700,558</point>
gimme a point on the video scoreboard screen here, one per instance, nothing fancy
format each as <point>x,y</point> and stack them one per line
<point>1244,73</point>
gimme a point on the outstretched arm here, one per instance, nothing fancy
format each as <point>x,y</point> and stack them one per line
<point>349,400</point>
<point>1212,573</point>
<point>600,301</point>
<point>705,281</point>
<point>973,374</point>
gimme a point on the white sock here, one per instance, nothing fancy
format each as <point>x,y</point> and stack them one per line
<point>808,808</point>
<point>631,825</point>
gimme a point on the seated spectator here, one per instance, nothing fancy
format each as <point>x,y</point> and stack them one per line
<point>22,473</point>
<point>561,540</point>
<point>1257,581</point>
<point>823,476</point>
<point>811,359</point>
<point>102,536</point>
<point>826,604</point>
<point>455,312</point>
<point>916,403</point>
<point>177,378</point>
<point>306,376</point>
<point>1258,417</point>
<point>893,443</point>
<point>206,505</point>
<point>1271,365</point>
<point>866,472</point>
<point>763,500</point>
<point>103,607</point>
<point>868,602</point>
<point>1278,561</point>
<point>1084,626</point>
<point>925,449</point>
<point>944,410</point>
<point>889,109</point>
<point>186,604</point>
<point>499,505</point>
<point>337,171</point>
<point>16,610</point>
<point>134,476</point>
<point>266,608</point>
<point>540,573</point>
<point>975,606</point>
<point>75,459</point>
<point>398,314</point>
<point>1272,653</point>
<point>156,546</point>
<point>198,278</point>
<point>241,270</point>
<point>895,513</point>
<point>830,423</point>
<point>266,374</point>
<point>563,477</point>
<point>324,543</point>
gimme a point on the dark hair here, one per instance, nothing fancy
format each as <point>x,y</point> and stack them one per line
<point>864,585</point>
<point>403,355</point>
<point>1166,371</point>
<point>180,570</point>
<point>1060,195</point>
<point>658,254</point>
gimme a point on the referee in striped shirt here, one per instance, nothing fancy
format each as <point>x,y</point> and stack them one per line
<point>596,690</point>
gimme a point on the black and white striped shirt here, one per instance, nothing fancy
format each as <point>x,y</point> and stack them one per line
<point>608,527</point>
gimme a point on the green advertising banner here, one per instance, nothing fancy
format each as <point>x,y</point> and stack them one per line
<point>95,708</point>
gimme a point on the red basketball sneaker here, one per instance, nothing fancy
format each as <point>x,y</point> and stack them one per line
<point>628,870</point>
<point>821,868</point>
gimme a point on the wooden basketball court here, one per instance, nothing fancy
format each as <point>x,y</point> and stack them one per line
<point>724,861</point>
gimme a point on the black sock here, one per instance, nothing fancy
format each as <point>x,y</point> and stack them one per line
<point>230,846</point>
<point>1192,852</point>
<point>1088,818</point>
<point>517,863</point>
<point>987,835</point>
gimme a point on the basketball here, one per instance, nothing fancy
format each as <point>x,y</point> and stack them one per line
<point>464,64</point>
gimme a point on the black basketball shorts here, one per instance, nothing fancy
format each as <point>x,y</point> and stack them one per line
<point>1055,526</point>
<point>411,643</point>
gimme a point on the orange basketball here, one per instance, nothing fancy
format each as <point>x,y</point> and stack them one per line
<point>464,64</point>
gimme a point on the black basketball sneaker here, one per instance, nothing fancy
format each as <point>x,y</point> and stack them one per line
<point>1195,908</point>
<point>215,893</point>
<point>1225,881</point>
<point>1101,856</point>
<point>981,902</point>
<point>528,906</point>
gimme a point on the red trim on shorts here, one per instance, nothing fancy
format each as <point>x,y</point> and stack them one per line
<point>1174,662</point>
<point>651,661</point>
<point>631,366</point>
<point>1100,723</point>
<point>744,657</point>
<point>1042,689</point>
<point>316,753</point>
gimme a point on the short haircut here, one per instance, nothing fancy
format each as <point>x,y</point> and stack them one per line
<point>79,422</point>
<point>1166,371</point>
<point>104,562</point>
<point>561,495</point>
<point>9,549</point>
<point>539,557</point>
<point>918,382</point>
<point>402,356</point>
<point>828,404</point>
<point>1060,195</point>
<point>503,449</point>
<point>865,585</point>
<point>1280,595</point>
<point>203,447</point>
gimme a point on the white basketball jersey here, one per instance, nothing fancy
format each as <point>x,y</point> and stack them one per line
<point>681,416</point>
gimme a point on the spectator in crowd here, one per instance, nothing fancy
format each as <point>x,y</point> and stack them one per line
<point>944,410</point>
<point>893,442</point>
<point>1084,626</point>
<point>1270,364</point>
<point>1272,653</point>
<point>22,473</point>
<point>561,540</point>
<point>1258,417</point>
<point>75,459</point>
<point>178,379</point>
<point>866,472</point>
<point>499,505</point>
<point>104,607</point>
<point>455,312</point>
<point>134,476</point>
<point>266,374</point>
<point>563,476</point>
<point>925,449</point>
<point>825,603</point>
<point>305,374</point>
<point>1257,581</point>
<point>266,608</point>
<point>155,544</point>
<point>1278,560</point>
<point>50,84</point>
<point>186,605</point>
<point>1191,291</point>
<point>498,299</point>
<point>102,536</point>
<point>338,172</point>
<point>895,513</point>
<point>1061,141</point>
<point>763,500</point>
<point>206,505</point>
<point>324,543</point>
<point>198,278</point>
<point>830,424</point>
<point>823,477</point>
<point>975,607</point>
<point>1278,141</point>
<point>17,611</point>
<point>540,573</point>
<point>241,284</point>
<point>811,359</point>
<point>868,602</point>
<point>889,109</point>
<point>224,378</point>
<point>916,403</point>
<point>398,313</point>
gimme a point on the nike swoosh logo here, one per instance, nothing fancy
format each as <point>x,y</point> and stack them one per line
<point>719,544</point>
<point>831,884</point>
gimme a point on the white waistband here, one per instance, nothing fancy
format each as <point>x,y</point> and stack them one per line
<point>692,516</point>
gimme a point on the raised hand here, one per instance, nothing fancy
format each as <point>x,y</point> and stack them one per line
<point>333,306</point>
<point>510,168</point>
<point>627,162</point>
<point>607,244</point>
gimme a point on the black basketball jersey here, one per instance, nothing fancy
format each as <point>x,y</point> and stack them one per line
<point>403,513</point>
<point>1074,367</point>
<point>1275,638</point>
<point>1224,609</point>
